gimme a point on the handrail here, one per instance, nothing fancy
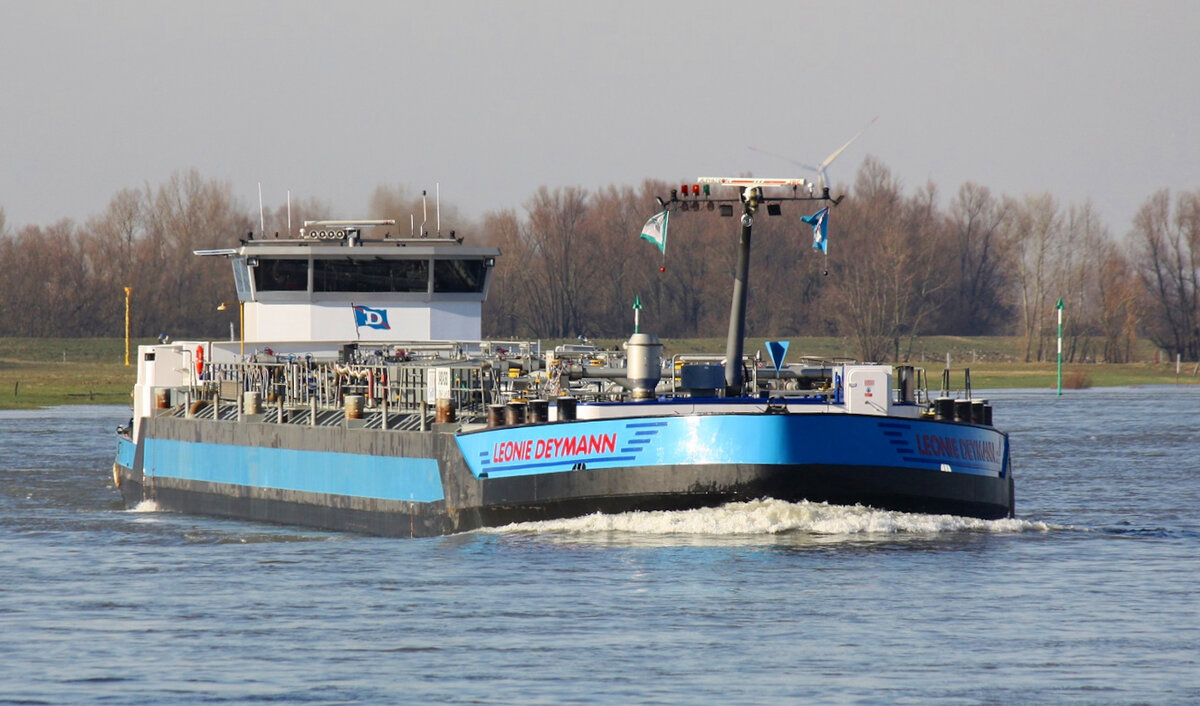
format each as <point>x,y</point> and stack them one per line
<point>401,387</point>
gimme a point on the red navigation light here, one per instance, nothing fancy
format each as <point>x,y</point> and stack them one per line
<point>695,189</point>
<point>684,189</point>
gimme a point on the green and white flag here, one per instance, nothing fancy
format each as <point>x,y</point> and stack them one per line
<point>655,230</point>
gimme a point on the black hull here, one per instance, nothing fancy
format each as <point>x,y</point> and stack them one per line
<point>578,493</point>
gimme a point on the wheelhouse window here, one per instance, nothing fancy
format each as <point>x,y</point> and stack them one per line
<point>374,275</point>
<point>459,275</point>
<point>281,275</point>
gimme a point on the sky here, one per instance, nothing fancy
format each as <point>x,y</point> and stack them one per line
<point>487,101</point>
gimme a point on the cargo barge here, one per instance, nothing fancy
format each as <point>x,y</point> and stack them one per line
<point>360,396</point>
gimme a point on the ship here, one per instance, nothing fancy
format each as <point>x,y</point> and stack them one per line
<point>360,396</point>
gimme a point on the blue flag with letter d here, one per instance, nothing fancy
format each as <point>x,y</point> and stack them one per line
<point>371,318</point>
<point>820,225</point>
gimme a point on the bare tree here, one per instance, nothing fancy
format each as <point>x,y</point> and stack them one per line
<point>978,303</point>
<point>112,242</point>
<point>568,260</point>
<point>1168,246</point>
<point>505,313</point>
<point>1078,259</point>
<point>616,217</point>
<point>185,214</point>
<point>886,289</point>
<point>47,282</point>
<point>1037,226</point>
<point>1119,295</point>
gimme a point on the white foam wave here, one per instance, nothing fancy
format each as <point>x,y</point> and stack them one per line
<point>145,506</point>
<point>774,517</point>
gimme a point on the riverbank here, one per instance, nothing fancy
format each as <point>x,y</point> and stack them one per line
<point>57,371</point>
<point>42,372</point>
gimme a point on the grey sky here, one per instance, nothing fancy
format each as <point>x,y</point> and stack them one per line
<point>493,99</point>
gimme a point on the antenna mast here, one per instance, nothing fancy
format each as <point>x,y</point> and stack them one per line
<point>424,213</point>
<point>751,197</point>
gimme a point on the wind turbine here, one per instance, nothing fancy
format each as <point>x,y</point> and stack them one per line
<point>821,169</point>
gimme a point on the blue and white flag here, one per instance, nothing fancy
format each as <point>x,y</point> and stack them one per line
<point>655,230</point>
<point>820,225</point>
<point>370,318</point>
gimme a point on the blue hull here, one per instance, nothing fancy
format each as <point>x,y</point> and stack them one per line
<point>421,483</point>
<point>769,439</point>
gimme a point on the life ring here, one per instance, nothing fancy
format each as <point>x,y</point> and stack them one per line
<point>199,360</point>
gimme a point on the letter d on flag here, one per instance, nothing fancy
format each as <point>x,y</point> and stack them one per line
<point>370,318</point>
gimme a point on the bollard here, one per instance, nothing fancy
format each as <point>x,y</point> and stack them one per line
<point>354,406</point>
<point>514,413</point>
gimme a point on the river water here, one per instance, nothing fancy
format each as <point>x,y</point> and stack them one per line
<point>1090,596</point>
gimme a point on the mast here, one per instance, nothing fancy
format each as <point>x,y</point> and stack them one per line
<point>735,341</point>
<point>751,197</point>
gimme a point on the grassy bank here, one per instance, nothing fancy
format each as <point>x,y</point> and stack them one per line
<point>40,372</point>
<point>56,371</point>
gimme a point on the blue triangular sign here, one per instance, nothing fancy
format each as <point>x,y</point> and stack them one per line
<point>777,350</point>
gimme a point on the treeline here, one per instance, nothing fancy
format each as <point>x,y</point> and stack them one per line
<point>67,279</point>
<point>900,265</point>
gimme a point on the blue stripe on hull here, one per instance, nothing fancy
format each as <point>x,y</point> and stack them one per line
<point>126,451</point>
<point>358,475</point>
<point>828,440</point>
